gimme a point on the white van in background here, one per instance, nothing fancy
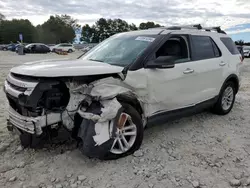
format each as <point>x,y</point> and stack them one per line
<point>64,47</point>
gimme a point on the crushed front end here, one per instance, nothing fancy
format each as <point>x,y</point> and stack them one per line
<point>34,103</point>
<point>88,108</point>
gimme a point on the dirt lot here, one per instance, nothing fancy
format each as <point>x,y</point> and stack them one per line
<point>203,150</point>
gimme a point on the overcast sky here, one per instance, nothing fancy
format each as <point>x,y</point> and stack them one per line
<point>233,15</point>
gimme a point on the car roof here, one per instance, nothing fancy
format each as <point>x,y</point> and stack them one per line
<point>64,43</point>
<point>155,31</point>
<point>195,32</point>
<point>167,30</point>
<point>37,44</point>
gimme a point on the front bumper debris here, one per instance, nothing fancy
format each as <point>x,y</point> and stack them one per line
<point>32,125</point>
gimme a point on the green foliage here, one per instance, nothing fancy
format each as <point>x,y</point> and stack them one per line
<point>148,25</point>
<point>88,34</point>
<point>2,17</point>
<point>240,42</point>
<point>104,28</point>
<point>10,30</point>
<point>61,28</point>
<point>57,29</point>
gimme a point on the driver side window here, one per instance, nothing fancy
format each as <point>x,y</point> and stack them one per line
<point>176,46</point>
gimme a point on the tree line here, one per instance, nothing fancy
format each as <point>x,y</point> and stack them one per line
<point>61,29</point>
<point>242,43</point>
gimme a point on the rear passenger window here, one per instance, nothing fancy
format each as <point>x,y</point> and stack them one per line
<point>228,42</point>
<point>202,48</point>
<point>217,52</point>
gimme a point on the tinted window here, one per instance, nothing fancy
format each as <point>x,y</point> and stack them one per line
<point>66,45</point>
<point>45,47</point>
<point>175,46</point>
<point>228,42</point>
<point>202,48</point>
<point>38,47</point>
<point>217,52</point>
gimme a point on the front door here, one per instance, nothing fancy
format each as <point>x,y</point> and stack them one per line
<point>173,88</point>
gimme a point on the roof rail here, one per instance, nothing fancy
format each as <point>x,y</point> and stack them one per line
<point>196,26</point>
<point>218,29</point>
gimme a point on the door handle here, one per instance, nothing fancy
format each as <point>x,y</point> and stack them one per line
<point>222,63</point>
<point>188,71</point>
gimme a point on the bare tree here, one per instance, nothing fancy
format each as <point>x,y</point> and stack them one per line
<point>2,17</point>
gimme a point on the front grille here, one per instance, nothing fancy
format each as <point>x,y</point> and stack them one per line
<point>24,77</point>
<point>12,102</point>
<point>18,88</point>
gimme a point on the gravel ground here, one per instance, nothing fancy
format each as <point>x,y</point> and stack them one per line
<point>203,150</point>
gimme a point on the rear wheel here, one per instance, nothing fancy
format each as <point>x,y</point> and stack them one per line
<point>70,51</point>
<point>226,99</point>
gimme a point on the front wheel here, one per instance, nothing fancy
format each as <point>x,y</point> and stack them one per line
<point>226,99</point>
<point>70,51</point>
<point>129,134</point>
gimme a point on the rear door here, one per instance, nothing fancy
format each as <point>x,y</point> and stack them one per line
<point>208,65</point>
<point>59,47</point>
<point>45,49</point>
<point>67,47</point>
<point>39,49</point>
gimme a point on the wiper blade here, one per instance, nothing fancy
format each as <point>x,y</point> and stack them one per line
<point>118,64</point>
<point>96,60</point>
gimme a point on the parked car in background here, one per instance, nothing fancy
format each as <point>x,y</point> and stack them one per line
<point>86,49</point>
<point>3,47</point>
<point>240,48</point>
<point>64,47</point>
<point>11,47</point>
<point>36,48</point>
<point>246,50</point>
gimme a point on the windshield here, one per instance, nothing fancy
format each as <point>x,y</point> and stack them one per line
<point>120,50</point>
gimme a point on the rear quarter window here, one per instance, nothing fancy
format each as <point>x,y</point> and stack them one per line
<point>229,43</point>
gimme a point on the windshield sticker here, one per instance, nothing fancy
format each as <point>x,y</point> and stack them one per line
<point>148,39</point>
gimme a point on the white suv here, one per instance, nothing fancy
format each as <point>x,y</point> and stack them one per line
<point>133,79</point>
<point>64,47</point>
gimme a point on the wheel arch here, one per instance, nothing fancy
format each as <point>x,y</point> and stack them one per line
<point>233,78</point>
<point>131,100</point>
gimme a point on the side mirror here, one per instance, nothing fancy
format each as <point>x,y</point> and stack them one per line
<point>162,62</point>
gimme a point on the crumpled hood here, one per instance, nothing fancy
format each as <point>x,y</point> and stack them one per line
<point>65,67</point>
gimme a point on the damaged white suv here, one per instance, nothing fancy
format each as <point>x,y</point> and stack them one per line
<point>107,96</point>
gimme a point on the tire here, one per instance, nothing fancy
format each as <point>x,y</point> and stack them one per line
<point>70,51</point>
<point>28,140</point>
<point>136,119</point>
<point>218,107</point>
